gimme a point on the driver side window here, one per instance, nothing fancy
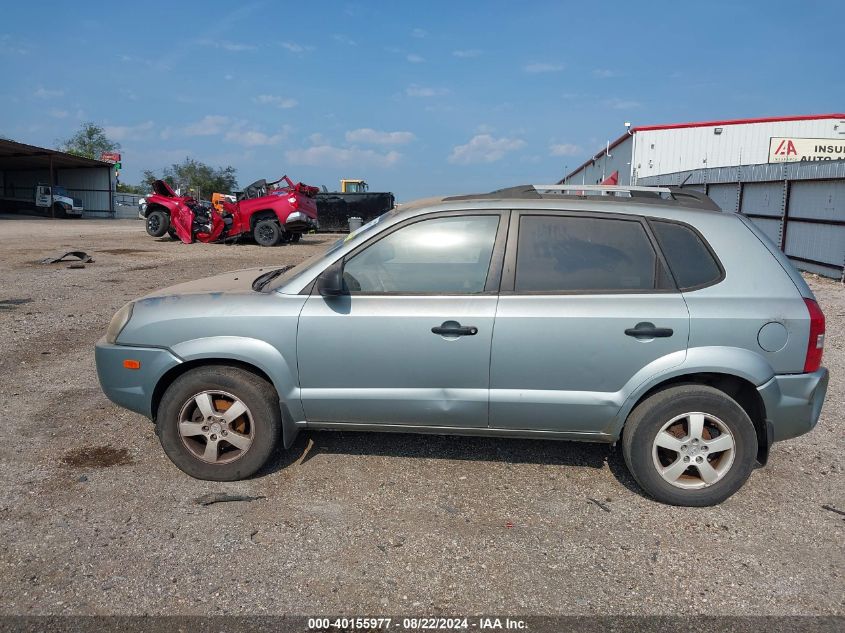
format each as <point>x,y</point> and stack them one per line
<point>448,255</point>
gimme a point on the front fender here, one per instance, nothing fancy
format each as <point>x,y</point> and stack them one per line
<point>261,355</point>
<point>734,361</point>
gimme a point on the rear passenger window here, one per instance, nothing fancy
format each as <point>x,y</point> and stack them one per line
<point>691,261</point>
<point>571,254</point>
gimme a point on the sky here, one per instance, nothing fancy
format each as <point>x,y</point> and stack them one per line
<point>422,98</point>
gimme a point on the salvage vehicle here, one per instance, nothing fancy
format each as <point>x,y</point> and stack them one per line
<point>271,213</point>
<point>354,199</point>
<point>639,315</point>
<point>56,201</point>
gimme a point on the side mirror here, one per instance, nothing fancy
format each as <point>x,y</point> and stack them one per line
<point>330,281</point>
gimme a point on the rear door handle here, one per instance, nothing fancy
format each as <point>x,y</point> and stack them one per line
<point>453,328</point>
<point>648,330</point>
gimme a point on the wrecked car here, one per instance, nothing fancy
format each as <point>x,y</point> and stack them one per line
<point>270,213</point>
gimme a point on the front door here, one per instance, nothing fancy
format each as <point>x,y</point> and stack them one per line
<point>409,344</point>
<point>587,311</point>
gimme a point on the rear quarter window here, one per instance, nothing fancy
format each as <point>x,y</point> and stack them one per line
<point>690,259</point>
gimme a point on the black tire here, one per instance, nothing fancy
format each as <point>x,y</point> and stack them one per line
<point>59,211</point>
<point>295,237</point>
<point>157,223</point>
<point>172,233</point>
<point>267,232</point>
<point>648,419</point>
<point>262,403</point>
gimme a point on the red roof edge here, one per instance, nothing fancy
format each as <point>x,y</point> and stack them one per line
<point>772,119</point>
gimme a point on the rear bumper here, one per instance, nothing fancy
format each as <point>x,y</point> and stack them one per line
<point>794,402</point>
<point>298,222</point>
<point>132,388</point>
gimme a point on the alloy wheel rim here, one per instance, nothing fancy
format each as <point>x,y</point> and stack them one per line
<point>266,233</point>
<point>153,223</point>
<point>693,450</point>
<point>216,427</point>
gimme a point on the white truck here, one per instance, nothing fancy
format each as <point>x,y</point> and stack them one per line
<point>56,201</point>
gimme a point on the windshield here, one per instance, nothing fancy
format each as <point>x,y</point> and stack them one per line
<point>300,268</point>
<point>59,191</point>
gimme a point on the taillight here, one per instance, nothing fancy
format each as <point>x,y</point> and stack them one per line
<point>815,346</point>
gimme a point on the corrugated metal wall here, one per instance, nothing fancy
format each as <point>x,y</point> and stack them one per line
<point>91,184</point>
<point>800,206</point>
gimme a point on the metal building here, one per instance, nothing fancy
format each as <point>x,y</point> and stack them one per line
<point>23,167</point>
<point>787,174</point>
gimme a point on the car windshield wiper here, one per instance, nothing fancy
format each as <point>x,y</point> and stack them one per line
<point>264,279</point>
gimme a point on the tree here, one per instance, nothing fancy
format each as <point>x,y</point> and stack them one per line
<point>196,176</point>
<point>122,187</point>
<point>90,141</point>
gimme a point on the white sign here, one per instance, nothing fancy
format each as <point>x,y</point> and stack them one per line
<point>792,150</point>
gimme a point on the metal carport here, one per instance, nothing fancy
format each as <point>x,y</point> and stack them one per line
<point>23,166</point>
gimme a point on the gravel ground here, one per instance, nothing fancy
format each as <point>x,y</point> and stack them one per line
<point>95,520</point>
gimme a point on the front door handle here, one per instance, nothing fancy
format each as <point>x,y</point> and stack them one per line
<point>648,330</point>
<point>453,328</point>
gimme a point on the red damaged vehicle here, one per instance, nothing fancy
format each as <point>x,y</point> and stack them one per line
<point>270,213</point>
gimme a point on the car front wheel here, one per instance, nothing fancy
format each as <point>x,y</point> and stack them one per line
<point>157,223</point>
<point>219,423</point>
<point>690,445</point>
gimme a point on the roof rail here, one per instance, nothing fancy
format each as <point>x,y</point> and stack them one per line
<point>676,196</point>
<point>603,189</point>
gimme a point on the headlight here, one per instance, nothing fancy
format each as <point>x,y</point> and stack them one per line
<point>118,322</point>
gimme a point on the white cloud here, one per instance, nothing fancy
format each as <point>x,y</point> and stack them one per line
<point>253,138</point>
<point>330,156</point>
<point>415,90</point>
<point>279,102</point>
<point>59,114</point>
<point>236,47</point>
<point>605,73</point>
<point>621,104</point>
<point>293,47</point>
<point>419,33</point>
<point>209,125</point>
<point>415,59</point>
<point>128,132</point>
<point>343,39</point>
<point>377,137</point>
<point>564,149</point>
<point>12,47</point>
<point>232,47</point>
<point>540,67</point>
<point>466,53</point>
<point>45,93</point>
<point>484,148</point>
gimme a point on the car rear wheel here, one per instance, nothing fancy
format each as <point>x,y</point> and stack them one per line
<point>157,223</point>
<point>267,232</point>
<point>295,237</point>
<point>219,423</point>
<point>690,445</point>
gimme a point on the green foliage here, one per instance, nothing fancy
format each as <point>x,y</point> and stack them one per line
<point>193,175</point>
<point>90,141</point>
<point>122,187</point>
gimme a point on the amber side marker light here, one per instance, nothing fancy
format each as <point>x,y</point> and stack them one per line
<point>132,364</point>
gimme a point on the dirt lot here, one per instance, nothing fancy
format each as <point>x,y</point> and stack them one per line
<point>95,520</point>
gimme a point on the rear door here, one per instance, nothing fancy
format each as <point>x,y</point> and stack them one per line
<point>410,342</point>
<point>587,310</point>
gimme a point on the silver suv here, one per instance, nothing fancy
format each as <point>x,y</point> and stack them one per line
<point>602,314</point>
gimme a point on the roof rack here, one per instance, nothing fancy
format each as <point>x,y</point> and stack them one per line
<point>622,191</point>
<point>677,196</point>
